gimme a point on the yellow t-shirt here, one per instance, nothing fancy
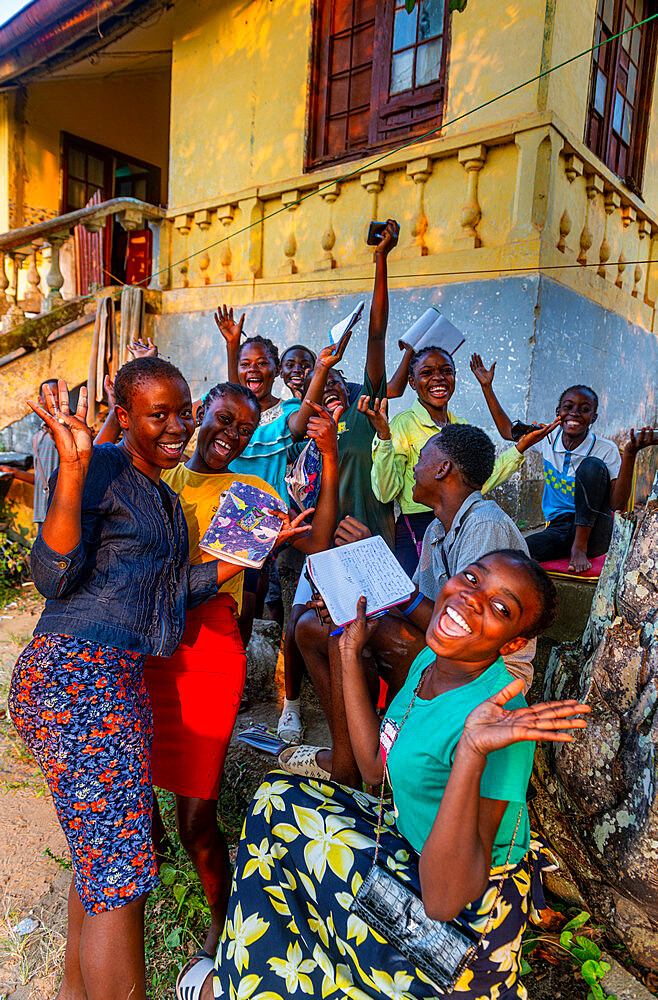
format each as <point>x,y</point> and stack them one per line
<point>200,494</point>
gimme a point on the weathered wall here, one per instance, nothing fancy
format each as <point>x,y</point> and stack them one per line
<point>542,335</point>
<point>126,113</point>
<point>239,77</point>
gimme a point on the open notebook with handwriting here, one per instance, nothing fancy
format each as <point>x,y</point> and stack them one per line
<point>367,567</point>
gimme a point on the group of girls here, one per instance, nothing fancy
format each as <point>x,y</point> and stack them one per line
<point>135,608</point>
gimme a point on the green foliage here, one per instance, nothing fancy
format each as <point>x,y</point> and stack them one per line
<point>584,951</point>
<point>14,562</point>
<point>458,5</point>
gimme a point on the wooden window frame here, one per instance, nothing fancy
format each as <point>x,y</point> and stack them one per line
<point>110,156</point>
<point>645,85</point>
<point>381,105</point>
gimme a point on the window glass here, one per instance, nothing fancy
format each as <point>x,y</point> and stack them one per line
<point>402,70</point>
<point>428,62</point>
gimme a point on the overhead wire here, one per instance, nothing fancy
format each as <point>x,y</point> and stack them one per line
<point>362,167</point>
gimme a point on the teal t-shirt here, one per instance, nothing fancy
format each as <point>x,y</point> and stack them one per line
<point>266,454</point>
<point>423,753</point>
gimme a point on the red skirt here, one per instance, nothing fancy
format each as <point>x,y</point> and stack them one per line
<point>196,696</point>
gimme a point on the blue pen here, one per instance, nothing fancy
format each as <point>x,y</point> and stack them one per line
<point>377,614</point>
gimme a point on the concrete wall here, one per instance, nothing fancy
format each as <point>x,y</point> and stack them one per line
<point>542,335</point>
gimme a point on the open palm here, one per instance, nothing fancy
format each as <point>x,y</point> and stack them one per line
<point>72,436</point>
<point>491,726</point>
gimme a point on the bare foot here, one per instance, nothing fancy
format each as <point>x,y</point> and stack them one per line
<point>325,759</point>
<point>579,563</point>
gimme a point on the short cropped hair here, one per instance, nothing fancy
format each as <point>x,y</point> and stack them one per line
<point>141,370</point>
<point>470,449</point>
<point>581,388</point>
<point>233,389</point>
<point>544,588</point>
<point>299,347</point>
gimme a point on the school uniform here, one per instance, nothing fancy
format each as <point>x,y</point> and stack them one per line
<point>576,492</point>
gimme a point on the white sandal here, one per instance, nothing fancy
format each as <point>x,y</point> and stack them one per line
<point>302,760</point>
<point>193,975</point>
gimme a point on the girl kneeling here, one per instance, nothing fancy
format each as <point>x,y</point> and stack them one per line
<point>459,759</point>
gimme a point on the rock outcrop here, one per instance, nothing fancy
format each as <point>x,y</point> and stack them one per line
<point>597,797</point>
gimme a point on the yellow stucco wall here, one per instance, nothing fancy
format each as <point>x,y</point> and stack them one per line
<point>126,113</point>
<point>494,47</point>
<point>239,77</point>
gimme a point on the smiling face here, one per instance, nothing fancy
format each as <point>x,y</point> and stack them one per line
<point>430,461</point>
<point>335,392</point>
<point>226,429</point>
<point>433,379</point>
<point>158,424</point>
<point>295,366</point>
<point>257,370</point>
<point>577,413</point>
<point>483,611</point>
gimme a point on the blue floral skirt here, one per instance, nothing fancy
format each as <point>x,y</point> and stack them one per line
<point>84,712</point>
<point>304,851</point>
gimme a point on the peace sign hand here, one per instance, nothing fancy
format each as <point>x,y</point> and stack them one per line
<point>377,415</point>
<point>72,436</point>
<point>491,726</point>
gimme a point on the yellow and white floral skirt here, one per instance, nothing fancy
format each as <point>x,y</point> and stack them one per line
<point>305,849</point>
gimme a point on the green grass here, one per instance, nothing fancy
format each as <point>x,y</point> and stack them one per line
<point>177,914</point>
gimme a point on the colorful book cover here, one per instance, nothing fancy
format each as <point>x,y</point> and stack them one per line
<point>242,531</point>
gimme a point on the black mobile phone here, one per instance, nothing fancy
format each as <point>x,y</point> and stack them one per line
<point>375,233</point>
<point>518,429</point>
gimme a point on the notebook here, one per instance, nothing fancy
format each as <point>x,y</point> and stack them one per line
<point>242,532</point>
<point>345,325</point>
<point>432,329</point>
<point>365,567</point>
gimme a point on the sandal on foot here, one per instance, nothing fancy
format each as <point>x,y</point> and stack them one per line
<point>193,975</point>
<point>302,760</point>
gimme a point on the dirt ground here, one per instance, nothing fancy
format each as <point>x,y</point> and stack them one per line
<point>34,864</point>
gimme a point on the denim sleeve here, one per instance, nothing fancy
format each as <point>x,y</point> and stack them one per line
<point>56,574</point>
<point>202,583</point>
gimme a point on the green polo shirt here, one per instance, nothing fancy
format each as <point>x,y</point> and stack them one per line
<point>421,758</point>
<point>394,461</point>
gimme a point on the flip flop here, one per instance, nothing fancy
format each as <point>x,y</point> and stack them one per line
<point>301,760</point>
<point>193,975</point>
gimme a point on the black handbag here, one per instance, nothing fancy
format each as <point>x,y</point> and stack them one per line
<point>442,951</point>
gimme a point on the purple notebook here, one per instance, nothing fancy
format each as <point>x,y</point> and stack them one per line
<point>242,532</point>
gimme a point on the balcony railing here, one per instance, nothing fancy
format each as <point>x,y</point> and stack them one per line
<point>32,257</point>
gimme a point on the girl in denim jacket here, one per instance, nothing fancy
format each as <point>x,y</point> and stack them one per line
<point>112,561</point>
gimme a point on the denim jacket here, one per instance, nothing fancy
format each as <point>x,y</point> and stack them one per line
<point>128,581</point>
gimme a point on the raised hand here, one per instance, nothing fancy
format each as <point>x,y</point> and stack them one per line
<point>355,635</point>
<point>72,436</point>
<point>377,415</point>
<point>291,524</point>
<point>138,349</point>
<point>321,428</point>
<point>644,438</point>
<point>491,726</point>
<point>229,329</point>
<point>331,355</point>
<point>483,375</point>
<point>389,238</point>
<point>532,437</point>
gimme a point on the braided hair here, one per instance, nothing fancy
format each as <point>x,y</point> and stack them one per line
<point>132,374</point>
<point>419,355</point>
<point>268,345</point>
